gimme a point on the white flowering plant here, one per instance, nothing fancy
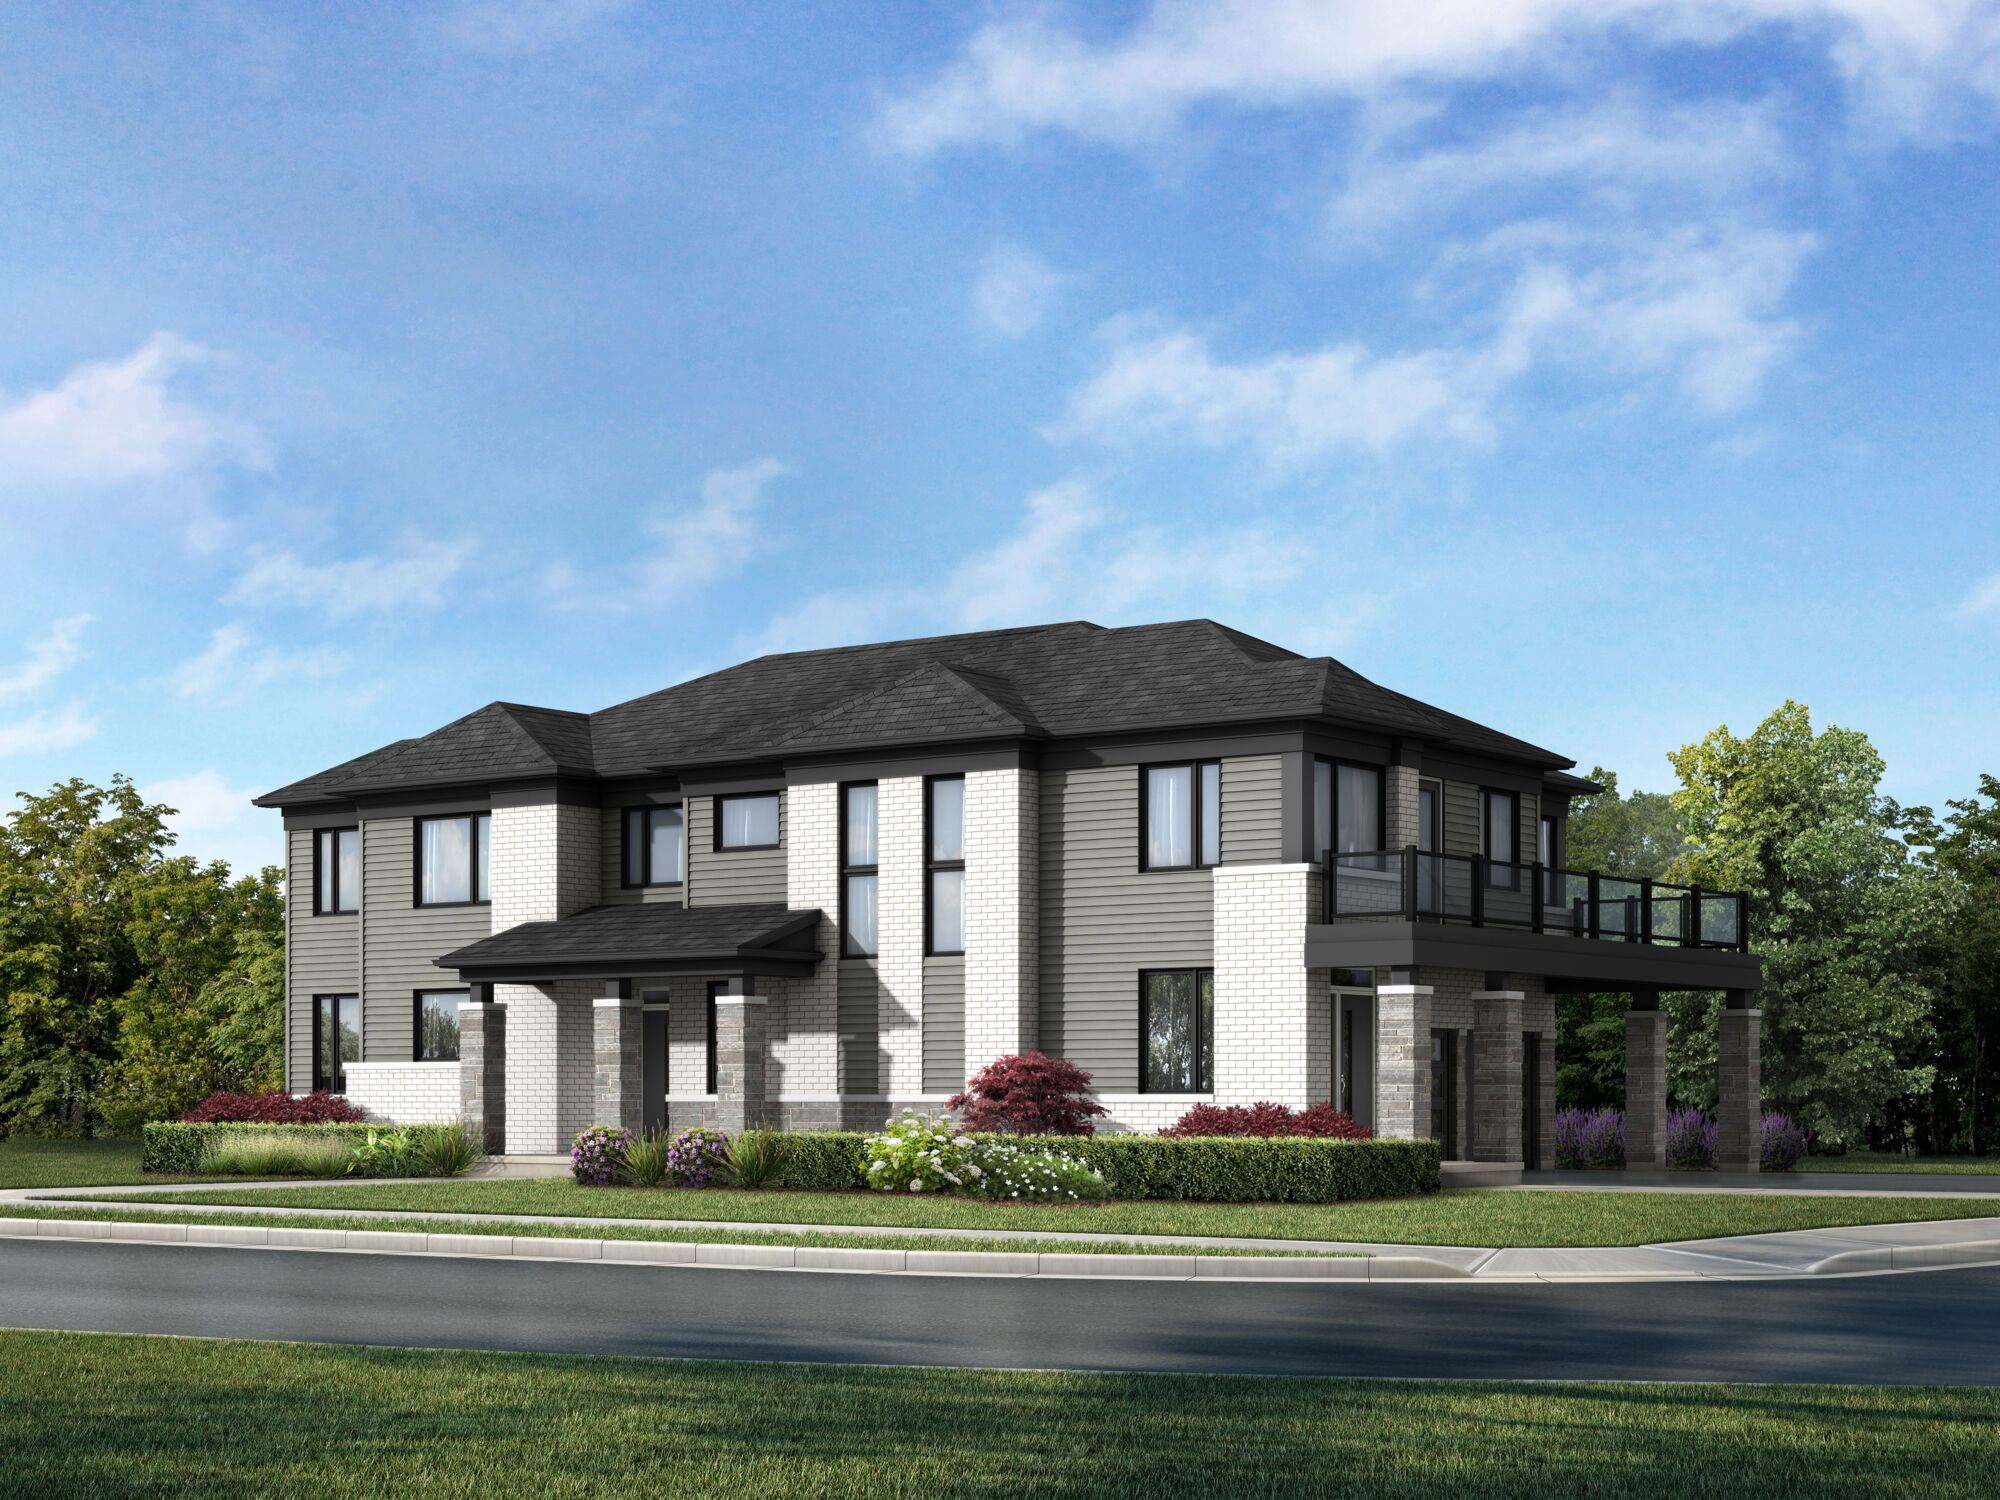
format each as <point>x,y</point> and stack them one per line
<point>1009,1173</point>
<point>915,1155</point>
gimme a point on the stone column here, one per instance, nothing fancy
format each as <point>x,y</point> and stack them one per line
<point>1739,1136</point>
<point>1645,1084</point>
<point>482,1068</point>
<point>1496,1075</point>
<point>1545,1105</point>
<point>1403,1061</point>
<point>739,1062</point>
<point>619,1032</point>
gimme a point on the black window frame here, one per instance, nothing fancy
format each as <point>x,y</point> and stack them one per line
<point>715,987</point>
<point>847,869</point>
<point>1334,764</point>
<point>323,1077</point>
<point>1194,769</point>
<point>933,865</point>
<point>319,906</point>
<point>715,810</point>
<point>645,811</point>
<point>473,845</point>
<point>1501,875</point>
<point>1552,830</point>
<point>417,1024</point>
<point>1202,1085</point>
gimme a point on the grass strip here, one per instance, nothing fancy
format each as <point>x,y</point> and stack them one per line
<point>1916,1166</point>
<point>1527,1220</point>
<point>94,1415</point>
<point>29,1162</point>
<point>814,1238</point>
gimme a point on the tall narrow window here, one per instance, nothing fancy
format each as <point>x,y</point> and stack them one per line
<point>437,1024</point>
<point>1183,816</point>
<point>336,871</point>
<point>1548,847</point>
<point>1430,842</point>
<point>944,843</point>
<point>1347,810</point>
<point>715,987</point>
<point>747,822</point>
<point>655,846</point>
<point>1499,837</point>
<point>454,860</point>
<point>336,1039</point>
<point>1177,1031</point>
<point>858,851</point>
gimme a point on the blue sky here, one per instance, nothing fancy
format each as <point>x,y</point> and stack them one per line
<point>1604,371</point>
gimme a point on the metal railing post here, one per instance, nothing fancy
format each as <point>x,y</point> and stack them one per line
<point>1695,936</point>
<point>1480,874</point>
<point>1538,874</point>
<point>1646,910</point>
<point>1411,906</point>
<point>1595,898</point>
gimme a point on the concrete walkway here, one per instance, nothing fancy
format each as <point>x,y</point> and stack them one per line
<point>1859,1249</point>
<point>1809,1184</point>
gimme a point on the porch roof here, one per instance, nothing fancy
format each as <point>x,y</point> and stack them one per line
<point>624,942</point>
<point>1568,963</point>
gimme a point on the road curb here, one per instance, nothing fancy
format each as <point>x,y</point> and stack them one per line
<point>1907,1258</point>
<point>1054,1266</point>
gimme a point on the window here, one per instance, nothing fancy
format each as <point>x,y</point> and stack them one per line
<point>437,1024</point>
<point>655,846</point>
<point>1499,837</point>
<point>858,924</point>
<point>747,822</point>
<point>1551,842</point>
<point>1183,816</point>
<point>1177,1031</point>
<point>715,987</point>
<point>1347,810</point>
<point>944,844</point>
<point>336,871</point>
<point>1430,841</point>
<point>454,860</point>
<point>336,1039</point>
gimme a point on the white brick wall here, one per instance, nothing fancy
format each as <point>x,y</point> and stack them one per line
<point>544,863</point>
<point>802,1019</point>
<point>899,966</point>
<point>1400,815</point>
<point>404,1093</point>
<point>1002,862</point>
<point>1272,1014</point>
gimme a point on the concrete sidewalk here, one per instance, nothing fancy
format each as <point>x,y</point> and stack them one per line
<point>1809,1184</point>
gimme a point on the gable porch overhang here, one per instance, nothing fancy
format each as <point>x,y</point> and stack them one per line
<point>622,942</point>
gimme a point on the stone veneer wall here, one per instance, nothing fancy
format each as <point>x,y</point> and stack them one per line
<point>405,1093</point>
<point>1002,914</point>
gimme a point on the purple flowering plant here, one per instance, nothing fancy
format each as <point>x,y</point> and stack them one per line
<point>1784,1142</point>
<point>1691,1140</point>
<point>698,1157</point>
<point>598,1154</point>
<point>1590,1138</point>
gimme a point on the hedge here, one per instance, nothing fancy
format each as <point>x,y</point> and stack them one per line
<point>178,1146</point>
<point>1214,1169</point>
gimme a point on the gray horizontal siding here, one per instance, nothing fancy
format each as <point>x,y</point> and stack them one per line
<point>611,839</point>
<point>325,959</point>
<point>1102,921</point>
<point>944,1025</point>
<point>1253,810</point>
<point>731,877</point>
<point>858,1022</point>
<point>1461,818</point>
<point>402,939</point>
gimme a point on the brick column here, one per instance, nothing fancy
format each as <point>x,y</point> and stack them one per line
<point>1496,1075</point>
<point>1739,1137</point>
<point>1403,1061</point>
<point>619,1026</point>
<point>1271,1012</point>
<point>739,1063</point>
<point>1002,914</point>
<point>899,964</point>
<point>482,1069</point>
<point>1646,1090</point>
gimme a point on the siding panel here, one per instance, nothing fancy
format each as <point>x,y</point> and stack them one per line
<point>1252,810</point>
<point>858,1020</point>
<point>614,892</point>
<point>733,878</point>
<point>324,956</point>
<point>1102,921</point>
<point>402,939</point>
<point>944,1025</point>
<point>1461,818</point>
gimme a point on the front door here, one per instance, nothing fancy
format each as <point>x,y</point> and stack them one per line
<point>653,1067</point>
<point>1444,1092</point>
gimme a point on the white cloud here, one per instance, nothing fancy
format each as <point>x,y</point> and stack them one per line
<point>201,801</point>
<point>1015,290</point>
<point>516,28</point>
<point>695,548</point>
<point>48,658</point>
<point>116,422</point>
<point>234,665</point>
<point>1912,66</point>
<point>1983,600</point>
<point>56,730</point>
<point>415,579</point>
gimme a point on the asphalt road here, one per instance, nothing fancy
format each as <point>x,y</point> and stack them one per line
<point>1939,1327</point>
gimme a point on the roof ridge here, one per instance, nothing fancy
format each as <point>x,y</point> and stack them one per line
<point>928,668</point>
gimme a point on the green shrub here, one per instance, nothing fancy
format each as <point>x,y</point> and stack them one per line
<point>444,1150</point>
<point>265,1153</point>
<point>1037,1170</point>
<point>915,1155</point>
<point>756,1158</point>
<point>1250,1169</point>
<point>831,1160</point>
<point>177,1146</point>
<point>646,1160</point>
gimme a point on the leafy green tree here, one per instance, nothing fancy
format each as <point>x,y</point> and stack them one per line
<point>1963,1110</point>
<point>1849,924</point>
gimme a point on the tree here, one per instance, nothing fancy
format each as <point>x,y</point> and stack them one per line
<point>1963,1110</point>
<point>1849,925</point>
<point>1028,1094</point>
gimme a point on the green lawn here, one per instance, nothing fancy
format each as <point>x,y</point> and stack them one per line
<point>97,1415</point>
<point>26,1162</point>
<point>1452,1218</point>
<point>1870,1161</point>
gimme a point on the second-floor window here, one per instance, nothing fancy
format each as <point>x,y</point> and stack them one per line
<point>454,863</point>
<point>1347,809</point>
<point>747,822</point>
<point>1183,816</point>
<point>655,846</point>
<point>1500,837</point>
<point>336,871</point>
<point>945,857</point>
<point>859,854</point>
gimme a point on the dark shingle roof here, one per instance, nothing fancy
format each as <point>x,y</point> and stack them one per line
<point>1034,682</point>
<point>640,937</point>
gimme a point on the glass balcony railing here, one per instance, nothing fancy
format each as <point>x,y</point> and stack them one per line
<point>1410,885</point>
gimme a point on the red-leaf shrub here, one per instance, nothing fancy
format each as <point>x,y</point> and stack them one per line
<point>1267,1120</point>
<point>319,1108</point>
<point>1027,1094</point>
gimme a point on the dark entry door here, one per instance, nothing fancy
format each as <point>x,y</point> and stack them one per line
<point>1531,1089</point>
<point>1444,1092</point>
<point>653,1069</point>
